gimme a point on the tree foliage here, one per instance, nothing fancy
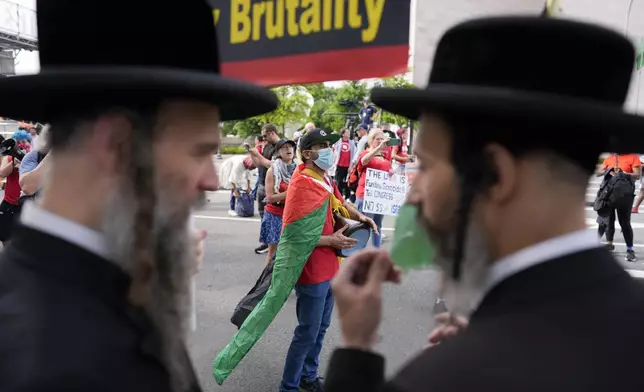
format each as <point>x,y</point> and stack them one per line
<point>329,109</point>
<point>294,107</point>
<point>324,99</point>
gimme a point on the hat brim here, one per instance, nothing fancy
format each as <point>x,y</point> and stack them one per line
<point>62,91</point>
<point>332,137</point>
<point>288,141</point>
<point>583,116</point>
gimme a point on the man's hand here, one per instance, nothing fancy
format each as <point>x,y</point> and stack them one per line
<point>366,219</point>
<point>446,327</point>
<point>198,238</point>
<point>358,294</point>
<point>339,241</point>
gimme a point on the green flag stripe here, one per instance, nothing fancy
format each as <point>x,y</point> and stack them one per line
<point>298,240</point>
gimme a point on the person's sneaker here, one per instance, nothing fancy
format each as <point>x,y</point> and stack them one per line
<point>263,248</point>
<point>610,247</point>
<point>630,256</point>
<point>232,213</point>
<point>312,386</point>
<point>634,211</point>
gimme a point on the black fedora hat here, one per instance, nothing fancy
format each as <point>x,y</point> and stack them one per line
<point>542,70</point>
<point>127,53</point>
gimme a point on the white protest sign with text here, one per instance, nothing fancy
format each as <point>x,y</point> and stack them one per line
<point>384,193</point>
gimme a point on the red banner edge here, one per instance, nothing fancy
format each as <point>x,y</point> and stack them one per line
<point>346,64</point>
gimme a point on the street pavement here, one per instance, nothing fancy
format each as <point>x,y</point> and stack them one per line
<point>231,268</point>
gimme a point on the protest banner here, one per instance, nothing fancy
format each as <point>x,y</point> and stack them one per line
<point>384,193</point>
<point>278,42</point>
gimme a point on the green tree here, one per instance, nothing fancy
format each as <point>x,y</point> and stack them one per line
<point>348,102</point>
<point>248,127</point>
<point>324,99</point>
<point>294,107</point>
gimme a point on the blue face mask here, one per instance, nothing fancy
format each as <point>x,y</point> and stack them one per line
<point>325,159</point>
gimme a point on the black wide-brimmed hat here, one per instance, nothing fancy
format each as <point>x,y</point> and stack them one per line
<point>539,70</point>
<point>127,53</point>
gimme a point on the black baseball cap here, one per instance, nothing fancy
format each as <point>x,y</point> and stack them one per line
<point>315,136</point>
<point>282,142</point>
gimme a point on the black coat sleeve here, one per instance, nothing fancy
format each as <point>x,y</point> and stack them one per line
<point>354,370</point>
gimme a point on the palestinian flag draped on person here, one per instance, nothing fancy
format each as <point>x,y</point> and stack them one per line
<point>305,214</point>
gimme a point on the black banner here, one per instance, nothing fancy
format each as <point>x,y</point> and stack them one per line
<point>297,41</point>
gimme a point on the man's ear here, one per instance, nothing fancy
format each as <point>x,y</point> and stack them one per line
<point>502,171</point>
<point>110,139</point>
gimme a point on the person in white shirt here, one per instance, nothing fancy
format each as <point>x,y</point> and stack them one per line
<point>235,173</point>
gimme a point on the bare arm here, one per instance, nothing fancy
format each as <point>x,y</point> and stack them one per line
<point>636,174</point>
<point>372,153</point>
<point>258,159</point>
<point>397,157</point>
<point>271,196</point>
<point>32,181</point>
<point>353,212</point>
<point>6,168</point>
<point>337,240</point>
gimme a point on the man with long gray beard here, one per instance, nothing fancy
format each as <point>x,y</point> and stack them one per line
<point>95,287</point>
<point>500,193</point>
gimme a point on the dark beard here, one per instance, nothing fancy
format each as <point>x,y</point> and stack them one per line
<point>170,305</point>
<point>461,296</point>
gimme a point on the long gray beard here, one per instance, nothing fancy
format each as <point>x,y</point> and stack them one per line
<point>170,302</point>
<point>463,296</point>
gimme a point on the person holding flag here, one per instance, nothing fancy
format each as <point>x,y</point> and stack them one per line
<point>305,261</point>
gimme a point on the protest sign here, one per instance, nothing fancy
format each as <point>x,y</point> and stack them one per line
<point>384,193</point>
<point>278,42</point>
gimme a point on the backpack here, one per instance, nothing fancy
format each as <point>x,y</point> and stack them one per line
<point>245,206</point>
<point>612,191</point>
<point>354,179</point>
<point>622,186</point>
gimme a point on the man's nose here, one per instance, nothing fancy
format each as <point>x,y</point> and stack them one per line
<point>209,180</point>
<point>413,196</point>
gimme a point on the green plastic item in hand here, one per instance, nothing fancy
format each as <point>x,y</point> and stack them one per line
<point>411,247</point>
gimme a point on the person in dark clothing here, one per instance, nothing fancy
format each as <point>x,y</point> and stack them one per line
<point>95,285</point>
<point>630,166</point>
<point>263,162</point>
<point>344,151</point>
<point>500,198</point>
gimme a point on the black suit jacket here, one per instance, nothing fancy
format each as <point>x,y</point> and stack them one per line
<point>571,324</point>
<point>66,325</point>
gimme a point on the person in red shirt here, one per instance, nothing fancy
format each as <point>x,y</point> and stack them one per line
<point>344,149</point>
<point>400,153</point>
<point>278,177</point>
<point>314,297</point>
<point>10,205</point>
<point>372,158</point>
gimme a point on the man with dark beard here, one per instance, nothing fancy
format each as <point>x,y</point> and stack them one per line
<point>95,287</point>
<point>501,194</point>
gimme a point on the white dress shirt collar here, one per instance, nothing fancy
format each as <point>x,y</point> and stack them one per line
<point>37,218</point>
<point>550,249</point>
